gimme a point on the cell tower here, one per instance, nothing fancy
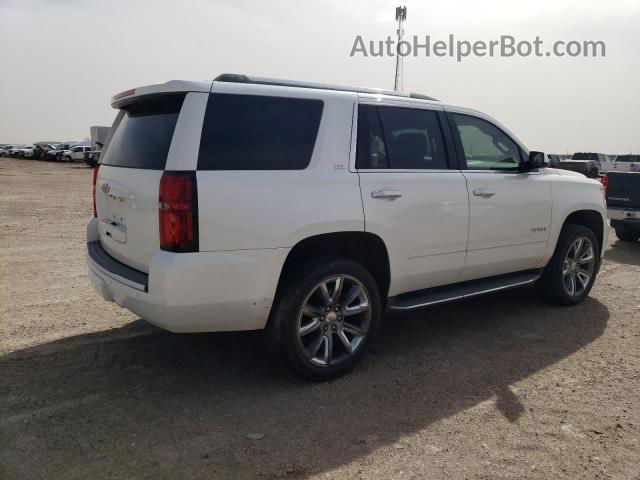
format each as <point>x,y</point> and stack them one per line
<point>401,16</point>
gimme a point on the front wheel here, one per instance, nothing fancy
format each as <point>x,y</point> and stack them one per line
<point>326,315</point>
<point>569,275</point>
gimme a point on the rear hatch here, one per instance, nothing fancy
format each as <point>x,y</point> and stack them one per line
<point>127,186</point>
<point>623,190</point>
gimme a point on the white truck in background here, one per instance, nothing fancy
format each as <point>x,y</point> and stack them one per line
<point>621,163</point>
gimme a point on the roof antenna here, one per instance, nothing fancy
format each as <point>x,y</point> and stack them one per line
<point>401,16</point>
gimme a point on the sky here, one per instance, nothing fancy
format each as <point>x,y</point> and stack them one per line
<point>62,60</point>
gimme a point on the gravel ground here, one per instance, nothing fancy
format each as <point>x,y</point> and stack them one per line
<point>498,387</point>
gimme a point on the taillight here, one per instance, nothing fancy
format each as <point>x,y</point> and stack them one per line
<point>95,179</point>
<point>178,212</point>
<point>605,183</point>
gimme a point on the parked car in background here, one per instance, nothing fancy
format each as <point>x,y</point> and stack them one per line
<point>5,149</point>
<point>587,163</point>
<point>553,159</point>
<point>40,150</point>
<point>621,163</point>
<point>15,151</point>
<point>623,204</point>
<point>75,153</point>
<point>56,152</point>
<point>26,152</point>
<point>455,206</point>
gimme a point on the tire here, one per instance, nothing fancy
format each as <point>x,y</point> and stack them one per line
<point>67,158</point>
<point>555,284</point>
<point>626,234</point>
<point>295,335</point>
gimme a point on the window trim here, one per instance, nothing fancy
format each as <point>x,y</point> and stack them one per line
<point>447,142</point>
<point>462,160</point>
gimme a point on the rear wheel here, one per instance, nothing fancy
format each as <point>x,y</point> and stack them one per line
<point>569,275</point>
<point>326,314</point>
<point>626,234</point>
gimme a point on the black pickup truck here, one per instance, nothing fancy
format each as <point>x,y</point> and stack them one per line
<point>587,163</point>
<point>623,204</point>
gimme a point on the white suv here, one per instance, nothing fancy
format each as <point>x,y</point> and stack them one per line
<point>309,210</point>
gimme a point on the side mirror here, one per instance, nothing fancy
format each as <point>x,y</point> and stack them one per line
<point>535,160</point>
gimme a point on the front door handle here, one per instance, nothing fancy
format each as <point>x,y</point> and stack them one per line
<point>484,192</point>
<point>387,194</point>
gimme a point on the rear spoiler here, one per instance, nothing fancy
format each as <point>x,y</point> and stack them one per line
<point>174,86</point>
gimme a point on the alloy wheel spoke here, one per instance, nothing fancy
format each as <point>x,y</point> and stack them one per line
<point>584,277</point>
<point>345,341</point>
<point>572,284</point>
<point>337,289</point>
<point>324,290</point>
<point>364,307</point>
<point>586,257</point>
<point>353,329</point>
<point>577,248</point>
<point>315,348</point>
<point>328,348</point>
<point>310,327</point>
<point>351,295</point>
<point>312,311</point>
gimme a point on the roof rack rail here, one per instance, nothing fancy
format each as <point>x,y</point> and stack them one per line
<point>239,78</point>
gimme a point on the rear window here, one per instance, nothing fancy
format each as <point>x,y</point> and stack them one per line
<point>628,158</point>
<point>142,133</point>
<point>584,156</point>
<point>249,132</point>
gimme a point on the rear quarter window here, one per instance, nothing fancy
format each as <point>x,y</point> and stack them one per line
<point>142,133</point>
<point>250,132</point>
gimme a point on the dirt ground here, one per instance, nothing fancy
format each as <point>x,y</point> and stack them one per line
<point>499,387</point>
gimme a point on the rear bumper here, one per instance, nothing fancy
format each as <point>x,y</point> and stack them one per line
<point>626,214</point>
<point>191,292</point>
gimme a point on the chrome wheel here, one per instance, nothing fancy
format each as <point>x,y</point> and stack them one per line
<point>579,265</point>
<point>334,320</point>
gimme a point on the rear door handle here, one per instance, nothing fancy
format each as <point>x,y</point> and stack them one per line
<point>484,192</point>
<point>387,194</point>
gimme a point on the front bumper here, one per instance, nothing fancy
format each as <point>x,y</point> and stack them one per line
<point>192,292</point>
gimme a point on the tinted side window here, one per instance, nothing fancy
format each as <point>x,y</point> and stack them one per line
<point>399,138</point>
<point>142,137</point>
<point>485,146</point>
<point>371,151</point>
<point>413,138</point>
<point>248,132</point>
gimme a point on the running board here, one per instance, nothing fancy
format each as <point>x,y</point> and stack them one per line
<point>459,291</point>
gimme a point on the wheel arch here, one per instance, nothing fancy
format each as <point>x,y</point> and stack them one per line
<point>366,248</point>
<point>591,219</point>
